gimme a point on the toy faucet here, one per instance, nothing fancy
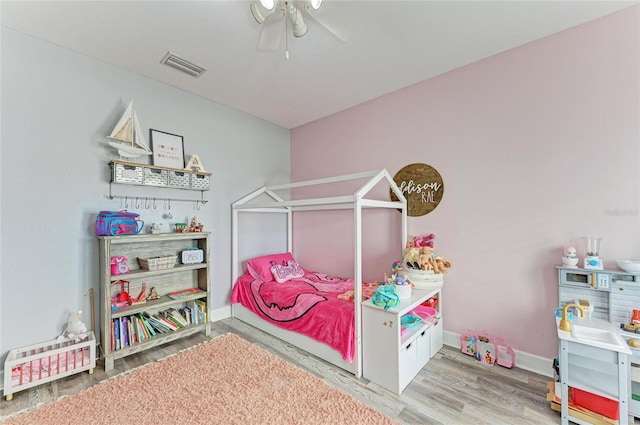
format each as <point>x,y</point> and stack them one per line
<point>565,325</point>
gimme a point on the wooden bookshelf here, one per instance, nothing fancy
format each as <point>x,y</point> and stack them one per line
<point>164,281</point>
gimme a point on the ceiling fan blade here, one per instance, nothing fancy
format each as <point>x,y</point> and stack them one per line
<point>272,29</point>
<point>331,19</point>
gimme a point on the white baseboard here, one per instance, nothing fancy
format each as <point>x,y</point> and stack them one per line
<point>526,361</point>
<point>220,313</point>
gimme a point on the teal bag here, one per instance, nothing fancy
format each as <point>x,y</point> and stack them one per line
<point>385,296</point>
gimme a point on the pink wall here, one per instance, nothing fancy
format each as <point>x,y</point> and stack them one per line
<point>537,147</point>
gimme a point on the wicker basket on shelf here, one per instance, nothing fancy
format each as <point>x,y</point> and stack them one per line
<point>158,263</point>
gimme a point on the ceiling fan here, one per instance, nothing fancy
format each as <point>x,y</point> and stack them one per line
<point>273,13</point>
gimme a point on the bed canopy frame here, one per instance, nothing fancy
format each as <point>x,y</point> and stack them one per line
<point>356,201</point>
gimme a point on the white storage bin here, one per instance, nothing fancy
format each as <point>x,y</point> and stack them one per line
<point>130,174</point>
<point>179,179</point>
<point>436,337</point>
<point>155,177</point>
<point>200,181</point>
<point>407,363</point>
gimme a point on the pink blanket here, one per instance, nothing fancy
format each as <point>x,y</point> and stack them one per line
<point>309,305</point>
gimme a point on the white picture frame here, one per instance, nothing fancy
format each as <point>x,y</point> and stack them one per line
<point>168,149</point>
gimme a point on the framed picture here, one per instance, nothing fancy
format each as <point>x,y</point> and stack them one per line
<point>168,149</point>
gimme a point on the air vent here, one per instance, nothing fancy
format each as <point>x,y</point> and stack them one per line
<point>182,65</point>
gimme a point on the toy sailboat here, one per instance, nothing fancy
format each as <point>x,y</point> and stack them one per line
<point>128,137</point>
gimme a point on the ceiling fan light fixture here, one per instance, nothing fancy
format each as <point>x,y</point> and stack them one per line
<point>259,12</point>
<point>269,4</point>
<point>315,4</point>
<point>298,26</point>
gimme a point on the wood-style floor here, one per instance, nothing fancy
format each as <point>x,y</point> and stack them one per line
<point>451,389</point>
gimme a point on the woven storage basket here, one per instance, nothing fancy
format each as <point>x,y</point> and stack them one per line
<point>179,179</point>
<point>155,177</point>
<point>200,181</point>
<point>158,263</point>
<point>130,174</point>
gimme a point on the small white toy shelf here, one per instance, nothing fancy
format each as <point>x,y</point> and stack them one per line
<point>265,200</point>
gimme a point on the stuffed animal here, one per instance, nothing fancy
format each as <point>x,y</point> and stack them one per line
<point>76,329</point>
<point>440,265</point>
<point>421,241</point>
<point>411,255</point>
<point>426,258</point>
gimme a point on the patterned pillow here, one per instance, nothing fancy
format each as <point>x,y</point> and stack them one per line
<point>260,267</point>
<point>284,273</point>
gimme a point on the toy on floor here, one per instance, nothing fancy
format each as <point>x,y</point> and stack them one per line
<point>468,344</point>
<point>487,349</point>
<point>506,355</point>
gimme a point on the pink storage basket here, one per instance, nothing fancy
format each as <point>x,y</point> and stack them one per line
<point>425,312</point>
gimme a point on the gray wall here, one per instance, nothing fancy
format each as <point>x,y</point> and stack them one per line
<point>57,107</point>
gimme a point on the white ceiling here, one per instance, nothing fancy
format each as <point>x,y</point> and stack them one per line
<point>392,44</point>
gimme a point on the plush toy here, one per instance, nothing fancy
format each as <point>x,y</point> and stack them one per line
<point>76,329</point>
<point>440,265</point>
<point>411,255</point>
<point>422,241</point>
<point>426,258</point>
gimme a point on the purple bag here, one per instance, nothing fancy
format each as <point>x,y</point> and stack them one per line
<point>115,223</point>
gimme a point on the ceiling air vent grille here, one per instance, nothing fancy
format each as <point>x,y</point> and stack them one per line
<point>182,65</point>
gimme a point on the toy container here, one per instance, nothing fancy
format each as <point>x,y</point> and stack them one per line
<point>468,343</point>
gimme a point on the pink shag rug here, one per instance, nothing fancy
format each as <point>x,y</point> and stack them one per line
<point>224,381</point>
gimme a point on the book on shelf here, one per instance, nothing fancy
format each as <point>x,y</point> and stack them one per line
<point>202,310</point>
<point>148,326</point>
<point>176,295</point>
<point>132,331</point>
<point>177,317</point>
<point>116,324</point>
<point>139,333</point>
<point>137,325</point>
<point>194,311</point>
<point>158,325</point>
<point>124,334</point>
<point>166,322</point>
<point>113,335</point>
<point>186,313</point>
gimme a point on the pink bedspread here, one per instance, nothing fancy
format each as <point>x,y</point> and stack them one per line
<point>309,305</point>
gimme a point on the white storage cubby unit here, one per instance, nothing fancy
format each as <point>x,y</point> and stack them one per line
<point>390,358</point>
<point>181,277</point>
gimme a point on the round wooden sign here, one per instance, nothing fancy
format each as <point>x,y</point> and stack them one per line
<point>422,185</point>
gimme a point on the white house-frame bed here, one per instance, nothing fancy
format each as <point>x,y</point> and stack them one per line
<point>358,202</point>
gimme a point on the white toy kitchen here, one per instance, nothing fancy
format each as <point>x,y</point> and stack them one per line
<point>608,299</point>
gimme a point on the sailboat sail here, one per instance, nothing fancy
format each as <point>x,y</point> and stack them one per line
<point>128,136</point>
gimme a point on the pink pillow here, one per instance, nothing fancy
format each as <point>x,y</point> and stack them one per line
<point>260,267</point>
<point>284,273</point>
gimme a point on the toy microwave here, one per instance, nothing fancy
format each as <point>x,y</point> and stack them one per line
<point>192,256</point>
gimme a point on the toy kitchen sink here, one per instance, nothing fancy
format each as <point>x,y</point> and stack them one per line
<point>596,352</point>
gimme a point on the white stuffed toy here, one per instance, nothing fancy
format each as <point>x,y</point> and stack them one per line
<point>76,329</point>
